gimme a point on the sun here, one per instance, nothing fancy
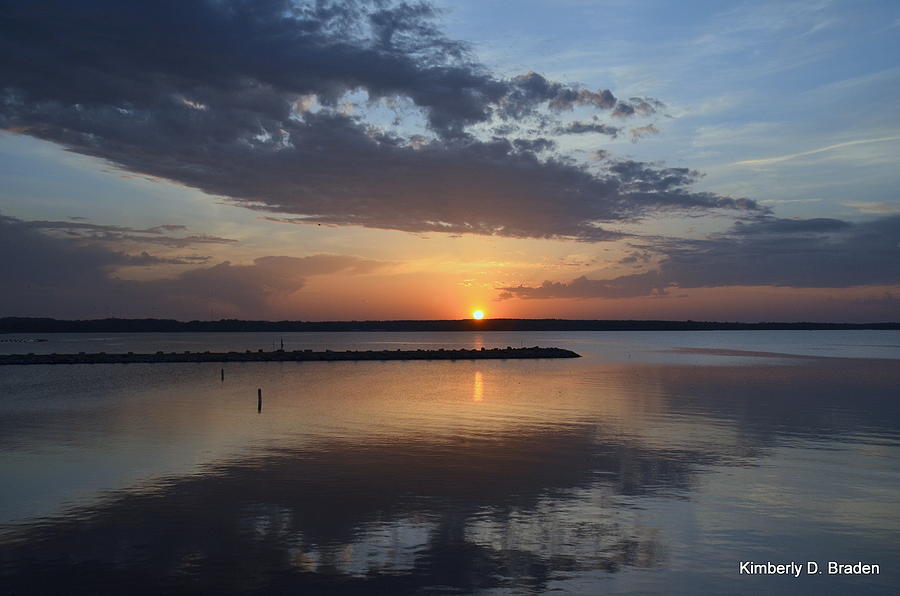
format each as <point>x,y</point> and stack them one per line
<point>477,314</point>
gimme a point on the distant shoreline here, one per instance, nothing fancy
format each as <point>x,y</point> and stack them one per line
<point>287,356</point>
<point>46,325</point>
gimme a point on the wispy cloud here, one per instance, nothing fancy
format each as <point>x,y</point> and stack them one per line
<point>771,160</point>
<point>874,207</point>
<point>117,236</point>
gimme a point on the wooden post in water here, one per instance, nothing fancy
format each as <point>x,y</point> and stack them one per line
<point>258,401</point>
<point>223,374</point>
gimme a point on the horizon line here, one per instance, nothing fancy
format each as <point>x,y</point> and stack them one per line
<point>471,320</point>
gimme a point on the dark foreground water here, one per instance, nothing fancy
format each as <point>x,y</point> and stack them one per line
<point>658,463</point>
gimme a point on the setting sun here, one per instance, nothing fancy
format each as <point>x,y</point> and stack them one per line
<point>477,314</point>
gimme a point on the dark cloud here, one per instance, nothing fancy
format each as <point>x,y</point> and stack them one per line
<point>39,255</point>
<point>775,225</point>
<point>534,145</point>
<point>32,260</point>
<point>531,89</point>
<point>635,257</point>
<point>770,252</point>
<point>246,289</point>
<point>858,254</point>
<point>623,110</point>
<point>171,241</point>
<point>640,132</point>
<point>215,95</point>
<point>144,259</point>
<point>58,276</point>
<point>887,300</point>
<point>668,187</point>
<point>644,106</point>
<point>626,286</point>
<point>579,127</point>
<point>114,235</point>
<point>167,228</point>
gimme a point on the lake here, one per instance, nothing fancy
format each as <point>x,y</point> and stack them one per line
<point>657,463</point>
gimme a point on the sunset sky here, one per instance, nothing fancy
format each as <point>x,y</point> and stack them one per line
<point>271,159</point>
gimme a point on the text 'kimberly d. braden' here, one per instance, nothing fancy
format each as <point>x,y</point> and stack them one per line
<point>809,568</point>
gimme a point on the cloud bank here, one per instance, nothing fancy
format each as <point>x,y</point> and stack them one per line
<point>71,277</point>
<point>770,251</point>
<point>344,113</point>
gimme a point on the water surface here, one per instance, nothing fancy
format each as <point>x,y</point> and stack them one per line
<point>656,463</point>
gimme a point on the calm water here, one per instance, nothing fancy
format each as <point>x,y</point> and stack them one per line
<point>656,463</point>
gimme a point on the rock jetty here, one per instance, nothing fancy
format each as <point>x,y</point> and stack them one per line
<point>287,356</point>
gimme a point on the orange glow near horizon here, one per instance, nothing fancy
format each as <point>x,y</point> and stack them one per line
<point>477,314</point>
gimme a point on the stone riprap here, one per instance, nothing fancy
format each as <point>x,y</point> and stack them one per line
<point>287,356</point>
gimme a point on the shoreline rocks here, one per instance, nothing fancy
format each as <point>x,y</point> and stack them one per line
<point>287,356</point>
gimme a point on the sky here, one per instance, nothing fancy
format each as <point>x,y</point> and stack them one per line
<point>273,159</point>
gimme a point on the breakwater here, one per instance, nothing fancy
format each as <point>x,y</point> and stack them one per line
<point>287,356</point>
